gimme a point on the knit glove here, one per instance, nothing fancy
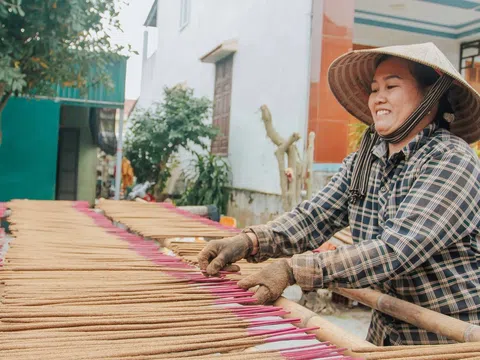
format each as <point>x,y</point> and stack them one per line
<point>271,281</point>
<point>219,254</point>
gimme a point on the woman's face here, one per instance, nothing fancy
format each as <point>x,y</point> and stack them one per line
<point>395,95</point>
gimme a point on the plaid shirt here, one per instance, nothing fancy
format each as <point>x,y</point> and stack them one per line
<point>415,234</point>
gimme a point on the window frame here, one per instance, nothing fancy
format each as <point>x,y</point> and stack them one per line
<point>220,145</point>
<point>185,11</point>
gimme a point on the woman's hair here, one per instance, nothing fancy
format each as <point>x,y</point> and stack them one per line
<point>425,77</point>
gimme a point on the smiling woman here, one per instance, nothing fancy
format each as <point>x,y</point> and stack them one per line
<point>398,87</point>
<point>395,94</point>
<point>411,196</point>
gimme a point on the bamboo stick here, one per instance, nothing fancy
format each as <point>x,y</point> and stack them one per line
<point>416,315</point>
<point>327,331</point>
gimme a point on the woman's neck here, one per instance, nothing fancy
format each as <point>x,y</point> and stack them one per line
<point>395,148</point>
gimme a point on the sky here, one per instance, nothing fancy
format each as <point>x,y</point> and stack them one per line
<point>132,17</point>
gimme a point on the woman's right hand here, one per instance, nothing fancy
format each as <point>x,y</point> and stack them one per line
<point>218,254</point>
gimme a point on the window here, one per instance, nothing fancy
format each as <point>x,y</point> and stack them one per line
<point>221,105</point>
<point>472,73</point>
<point>184,13</point>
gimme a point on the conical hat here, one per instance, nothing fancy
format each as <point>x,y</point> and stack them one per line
<point>350,77</point>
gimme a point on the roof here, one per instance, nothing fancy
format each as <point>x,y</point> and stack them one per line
<point>450,19</point>
<point>152,15</point>
<point>129,106</point>
<point>97,95</point>
<point>221,51</point>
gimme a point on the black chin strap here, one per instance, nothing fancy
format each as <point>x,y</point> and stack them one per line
<point>361,171</point>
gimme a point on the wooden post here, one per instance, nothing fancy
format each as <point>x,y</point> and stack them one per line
<point>418,316</point>
<point>309,163</point>
<point>291,178</point>
<point>327,331</point>
<point>292,193</point>
<point>118,174</point>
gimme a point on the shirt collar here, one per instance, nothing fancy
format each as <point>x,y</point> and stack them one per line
<point>381,149</point>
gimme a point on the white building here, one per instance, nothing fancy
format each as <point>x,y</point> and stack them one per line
<point>245,53</point>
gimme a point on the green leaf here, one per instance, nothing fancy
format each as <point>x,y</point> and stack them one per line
<point>209,182</point>
<point>46,42</point>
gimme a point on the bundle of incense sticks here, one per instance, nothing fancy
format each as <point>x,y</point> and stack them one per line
<point>188,252</point>
<point>77,287</point>
<point>161,220</point>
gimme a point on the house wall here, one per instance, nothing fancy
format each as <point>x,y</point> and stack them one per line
<point>253,207</point>
<point>147,93</point>
<point>265,71</point>
<point>78,117</point>
<point>270,67</point>
<point>28,152</point>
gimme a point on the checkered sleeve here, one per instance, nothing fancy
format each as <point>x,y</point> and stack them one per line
<point>441,208</point>
<point>310,224</point>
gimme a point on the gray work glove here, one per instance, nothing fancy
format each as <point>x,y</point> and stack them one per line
<point>272,280</point>
<point>220,254</point>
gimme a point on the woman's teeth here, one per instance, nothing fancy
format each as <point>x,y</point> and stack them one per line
<point>383,112</point>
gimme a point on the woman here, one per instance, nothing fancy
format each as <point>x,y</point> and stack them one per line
<point>410,196</point>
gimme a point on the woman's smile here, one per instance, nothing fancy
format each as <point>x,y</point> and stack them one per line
<point>395,94</point>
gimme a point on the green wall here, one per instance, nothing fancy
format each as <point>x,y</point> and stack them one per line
<point>77,117</point>
<point>28,153</point>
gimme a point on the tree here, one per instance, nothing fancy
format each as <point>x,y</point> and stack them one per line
<point>49,42</point>
<point>298,173</point>
<point>158,132</point>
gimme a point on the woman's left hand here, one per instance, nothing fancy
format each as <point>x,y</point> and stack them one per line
<point>272,280</point>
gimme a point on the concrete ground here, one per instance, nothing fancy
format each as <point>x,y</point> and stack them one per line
<point>355,320</point>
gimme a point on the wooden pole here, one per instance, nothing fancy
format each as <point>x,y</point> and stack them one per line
<point>118,174</point>
<point>327,331</point>
<point>418,316</point>
<point>284,146</point>
<point>309,161</point>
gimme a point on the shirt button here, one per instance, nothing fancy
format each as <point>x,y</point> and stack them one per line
<point>383,189</point>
